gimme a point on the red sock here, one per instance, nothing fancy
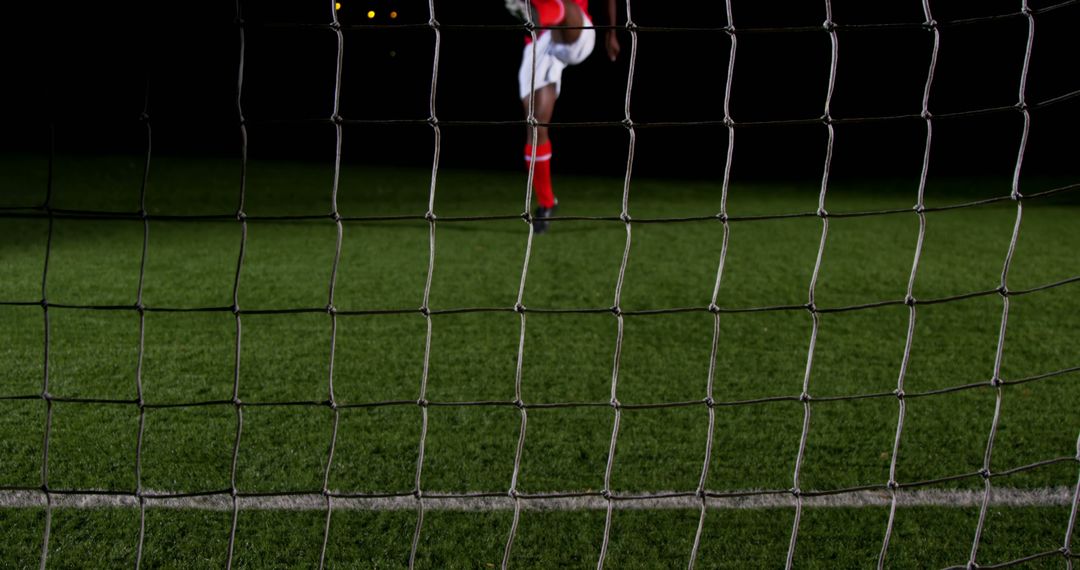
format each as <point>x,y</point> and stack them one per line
<point>541,174</point>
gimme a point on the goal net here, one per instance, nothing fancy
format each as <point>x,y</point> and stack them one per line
<point>718,371</point>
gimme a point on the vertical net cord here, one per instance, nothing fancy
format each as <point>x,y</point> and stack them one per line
<point>830,28</point>
<point>616,309</point>
<point>331,310</point>
<point>425,309</point>
<point>723,217</point>
<point>141,308</point>
<point>242,218</point>
<point>909,298</point>
<point>45,396</point>
<point>519,307</point>
<point>996,380</point>
<point>1070,528</point>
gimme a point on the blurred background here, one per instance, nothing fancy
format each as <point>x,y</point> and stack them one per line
<point>85,68</point>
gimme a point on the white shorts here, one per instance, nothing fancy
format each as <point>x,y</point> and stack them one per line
<point>552,58</point>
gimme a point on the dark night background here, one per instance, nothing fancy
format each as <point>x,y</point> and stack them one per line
<point>85,65</point>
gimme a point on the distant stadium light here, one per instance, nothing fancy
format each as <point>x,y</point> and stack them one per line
<point>393,15</point>
<point>371,14</point>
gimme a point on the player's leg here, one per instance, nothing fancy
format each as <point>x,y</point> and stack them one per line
<point>543,100</point>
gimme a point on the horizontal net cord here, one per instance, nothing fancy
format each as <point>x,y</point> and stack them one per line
<point>223,501</point>
<point>42,212</point>
<point>728,122</point>
<point>1063,551</point>
<point>707,402</point>
<point>522,309</point>
<point>645,28</point>
<point>793,122</point>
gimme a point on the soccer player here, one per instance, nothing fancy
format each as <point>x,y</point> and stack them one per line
<point>555,50</point>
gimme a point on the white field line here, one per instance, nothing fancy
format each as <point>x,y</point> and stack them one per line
<point>1002,497</point>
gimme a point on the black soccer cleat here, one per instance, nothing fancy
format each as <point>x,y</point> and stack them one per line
<point>540,218</point>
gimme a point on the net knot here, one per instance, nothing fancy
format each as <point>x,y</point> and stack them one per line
<point>631,26</point>
<point>233,492</point>
<point>1021,106</point>
<point>796,492</point>
<point>996,382</point>
<point>805,397</point>
<point>909,300</point>
<point>1003,291</point>
<point>237,402</point>
<point>239,21</point>
<point>615,403</point>
<point>984,473</point>
<point>822,213</point>
<point>144,117</point>
<point>331,404</point>
<point>729,122</point>
<point>1065,551</point>
<point>243,121</point>
<point>336,119</point>
<point>729,30</point>
<point>926,115</point>
<point>919,209</point>
<point>714,308</point>
<point>241,216</point>
<point>519,308</point>
<point>519,404</point>
<point>430,216</point>
<point>513,494</point>
<point>44,304</point>
<point>900,394</point>
<point>335,25</point>
<point>336,216</point>
<point>930,24</point>
<point>1027,11</point>
<point>625,217</point>
<point>606,494</point>
<point>723,217</point>
<point>45,395</point>
<point>424,310</point>
<point>423,402</point>
<point>829,26</point>
<point>331,309</point>
<point>433,24</point>
<point>709,402</point>
<point>616,310</point>
<point>140,307</point>
<point>811,307</point>
<point>235,309</point>
<point>417,494</point>
<point>893,485</point>
<point>433,121</point>
<point>629,124</point>
<point>326,493</point>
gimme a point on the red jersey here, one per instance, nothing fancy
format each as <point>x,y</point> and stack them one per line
<point>583,4</point>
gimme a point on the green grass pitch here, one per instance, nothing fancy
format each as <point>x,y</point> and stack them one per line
<point>189,357</point>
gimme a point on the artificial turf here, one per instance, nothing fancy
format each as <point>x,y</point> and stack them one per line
<point>189,357</point>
